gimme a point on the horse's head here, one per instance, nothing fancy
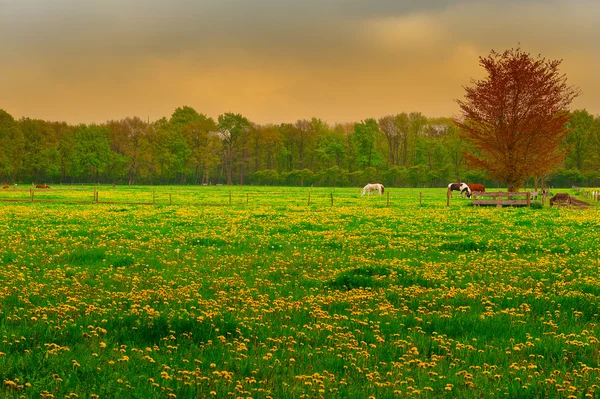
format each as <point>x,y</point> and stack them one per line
<point>464,188</point>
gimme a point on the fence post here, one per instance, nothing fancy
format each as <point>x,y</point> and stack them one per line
<point>95,198</point>
<point>420,198</point>
<point>331,199</point>
<point>170,200</point>
<point>448,193</point>
<point>309,198</point>
<point>388,199</point>
<point>544,197</point>
<point>246,199</point>
<point>230,198</point>
<point>528,199</point>
<point>31,194</point>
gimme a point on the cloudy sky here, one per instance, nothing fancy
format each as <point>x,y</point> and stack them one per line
<point>275,60</point>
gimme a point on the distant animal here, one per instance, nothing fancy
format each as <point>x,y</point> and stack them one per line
<point>474,187</point>
<point>560,197</point>
<point>42,186</point>
<point>373,187</point>
<point>464,189</point>
<point>6,186</point>
<point>455,187</point>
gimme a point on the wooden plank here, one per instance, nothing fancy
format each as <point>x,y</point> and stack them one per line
<point>124,203</point>
<point>63,202</point>
<point>502,193</point>
<point>487,202</point>
<point>15,200</point>
<point>499,202</point>
<point>47,200</point>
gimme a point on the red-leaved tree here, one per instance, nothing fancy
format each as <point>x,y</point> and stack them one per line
<point>515,118</point>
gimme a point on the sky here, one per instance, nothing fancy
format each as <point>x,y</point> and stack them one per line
<point>276,61</point>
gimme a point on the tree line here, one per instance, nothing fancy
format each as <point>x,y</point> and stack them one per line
<point>407,149</point>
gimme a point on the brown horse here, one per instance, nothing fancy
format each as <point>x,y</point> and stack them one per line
<point>42,186</point>
<point>474,187</point>
<point>6,186</point>
<point>563,198</point>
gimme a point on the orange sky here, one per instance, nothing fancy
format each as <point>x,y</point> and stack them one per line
<point>275,60</point>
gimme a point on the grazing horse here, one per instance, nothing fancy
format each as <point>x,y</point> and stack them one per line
<point>6,186</point>
<point>472,187</point>
<point>562,198</point>
<point>456,187</point>
<point>373,187</point>
<point>42,186</point>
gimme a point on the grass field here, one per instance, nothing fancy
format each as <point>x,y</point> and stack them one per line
<point>272,297</point>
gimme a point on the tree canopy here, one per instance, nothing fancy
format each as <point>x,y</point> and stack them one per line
<point>515,118</point>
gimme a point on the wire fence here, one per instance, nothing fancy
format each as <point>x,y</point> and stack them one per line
<point>227,196</point>
<point>592,194</point>
<point>247,196</point>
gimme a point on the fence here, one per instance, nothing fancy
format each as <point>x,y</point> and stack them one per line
<point>225,196</point>
<point>589,193</point>
<point>500,202</point>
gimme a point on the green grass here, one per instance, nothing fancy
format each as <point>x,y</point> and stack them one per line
<point>278,298</point>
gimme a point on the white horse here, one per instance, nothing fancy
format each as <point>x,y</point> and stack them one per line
<point>373,187</point>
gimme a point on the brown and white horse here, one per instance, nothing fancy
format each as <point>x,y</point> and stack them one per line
<point>456,187</point>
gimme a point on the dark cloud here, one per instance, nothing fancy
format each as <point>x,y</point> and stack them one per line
<point>170,26</point>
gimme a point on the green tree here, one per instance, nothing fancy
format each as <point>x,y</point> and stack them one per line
<point>12,143</point>
<point>92,151</point>
<point>41,158</point>
<point>130,146</point>
<point>401,133</point>
<point>331,149</point>
<point>391,131</point>
<point>455,147</point>
<point>595,144</point>
<point>232,129</point>
<point>579,138</point>
<point>364,137</point>
<point>202,140</point>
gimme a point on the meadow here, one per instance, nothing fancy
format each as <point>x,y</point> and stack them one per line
<point>273,297</point>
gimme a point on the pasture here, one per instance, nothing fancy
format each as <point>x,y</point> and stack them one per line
<point>271,297</point>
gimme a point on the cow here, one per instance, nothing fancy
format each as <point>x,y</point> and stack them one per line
<point>563,198</point>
